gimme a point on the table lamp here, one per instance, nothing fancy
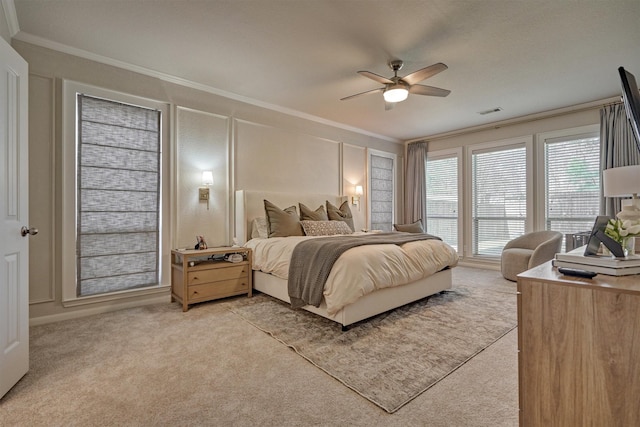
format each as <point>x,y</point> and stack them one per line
<point>623,182</point>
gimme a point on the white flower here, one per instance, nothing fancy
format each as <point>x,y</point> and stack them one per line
<point>618,230</point>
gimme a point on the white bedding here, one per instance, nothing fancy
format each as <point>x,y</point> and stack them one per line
<point>359,270</point>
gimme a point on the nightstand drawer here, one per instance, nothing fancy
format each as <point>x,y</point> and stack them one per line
<point>218,289</point>
<point>217,274</point>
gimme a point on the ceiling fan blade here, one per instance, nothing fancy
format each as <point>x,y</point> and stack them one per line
<point>424,73</point>
<point>376,77</point>
<point>389,105</point>
<point>362,93</point>
<point>428,90</point>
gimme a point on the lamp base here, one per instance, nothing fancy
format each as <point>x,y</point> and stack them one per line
<point>630,210</point>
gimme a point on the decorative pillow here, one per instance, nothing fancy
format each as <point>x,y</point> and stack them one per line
<point>343,213</point>
<point>415,227</point>
<point>282,223</point>
<point>325,228</point>
<point>259,228</point>
<point>318,215</point>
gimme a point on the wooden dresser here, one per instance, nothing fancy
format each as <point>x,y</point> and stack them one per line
<point>579,349</point>
<point>202,275</point>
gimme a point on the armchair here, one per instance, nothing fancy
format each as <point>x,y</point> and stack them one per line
<point>528,251</point>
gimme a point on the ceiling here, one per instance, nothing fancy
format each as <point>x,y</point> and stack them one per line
<point>302,56</point>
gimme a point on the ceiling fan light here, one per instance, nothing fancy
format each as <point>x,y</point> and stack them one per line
<point>395,93</point>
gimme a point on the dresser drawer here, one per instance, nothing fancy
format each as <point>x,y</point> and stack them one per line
<point>217,274</point>
<point>220,289</point>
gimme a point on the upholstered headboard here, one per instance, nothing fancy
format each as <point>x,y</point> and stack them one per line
<point>250,205</point>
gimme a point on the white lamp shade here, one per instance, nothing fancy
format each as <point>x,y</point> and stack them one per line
<point>621,182</point>
<point>395,93</point>
<point>207,178</point>
<point>359,191</point>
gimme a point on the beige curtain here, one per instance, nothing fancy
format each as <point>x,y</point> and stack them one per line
<point>617,148</point>
<point>416,183</point>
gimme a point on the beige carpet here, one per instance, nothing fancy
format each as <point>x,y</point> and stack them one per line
<point>158,366</point>
<point>393,357</point>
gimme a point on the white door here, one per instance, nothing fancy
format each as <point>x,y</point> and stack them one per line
<point>14,198</point>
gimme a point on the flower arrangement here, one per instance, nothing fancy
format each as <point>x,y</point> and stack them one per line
<point>622,231</point>
<point>618,229</point>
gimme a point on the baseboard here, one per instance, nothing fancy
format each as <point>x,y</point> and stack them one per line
<point>91,310</point>
<point>486,265</point>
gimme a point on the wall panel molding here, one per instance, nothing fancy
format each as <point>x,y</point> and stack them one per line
<point>42,188</point>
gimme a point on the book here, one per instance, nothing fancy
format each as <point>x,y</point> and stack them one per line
<point>577,256</point>
<point>609,271</point>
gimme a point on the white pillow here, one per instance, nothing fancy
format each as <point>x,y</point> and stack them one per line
<point>259,228</point>
<point>325,228</point>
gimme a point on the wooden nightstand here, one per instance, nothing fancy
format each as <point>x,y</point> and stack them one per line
<point>202,275</point>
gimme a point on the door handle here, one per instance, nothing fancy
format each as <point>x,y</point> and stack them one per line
<point>25,231</point>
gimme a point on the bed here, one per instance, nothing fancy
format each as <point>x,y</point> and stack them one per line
<point>249,205</point>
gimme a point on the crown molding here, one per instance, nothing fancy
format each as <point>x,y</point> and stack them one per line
<point>522,119</point>
<point>11,17</point>
<point>39,41</point>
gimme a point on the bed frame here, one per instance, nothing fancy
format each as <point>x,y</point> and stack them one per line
<point>250,205</point>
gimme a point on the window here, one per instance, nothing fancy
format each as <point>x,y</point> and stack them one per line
<point>572,182</point>
<point>382,190</point>
<point>113,210</point>
<point>442,176</point>
<point>118,177</point>
<point>499,196</point>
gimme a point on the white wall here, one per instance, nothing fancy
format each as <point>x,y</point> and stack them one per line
<point>247,147</point>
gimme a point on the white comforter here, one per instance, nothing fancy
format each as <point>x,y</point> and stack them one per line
<point>359,270</point>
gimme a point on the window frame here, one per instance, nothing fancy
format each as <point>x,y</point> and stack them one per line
<point>69,193</point>
<point>541,172</point>
<point>458,154</point>
<point>525,141</point>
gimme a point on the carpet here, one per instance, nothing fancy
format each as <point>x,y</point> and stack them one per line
<point>391,358</point>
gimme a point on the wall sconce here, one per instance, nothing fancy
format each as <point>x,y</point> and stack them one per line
<point>355,200</point>
<point>207,181</point>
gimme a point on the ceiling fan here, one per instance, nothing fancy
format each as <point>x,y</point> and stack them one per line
<point>397,89</point>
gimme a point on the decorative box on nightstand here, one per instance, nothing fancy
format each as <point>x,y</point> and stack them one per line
<point>204,275</point>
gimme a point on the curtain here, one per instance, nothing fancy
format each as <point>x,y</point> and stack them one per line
<point>617,148</point>
<point>416,183</point>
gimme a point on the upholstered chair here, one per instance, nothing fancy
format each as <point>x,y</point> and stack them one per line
<point>528,251</point>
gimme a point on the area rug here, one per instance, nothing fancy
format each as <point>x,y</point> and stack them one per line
<point>393,357</point>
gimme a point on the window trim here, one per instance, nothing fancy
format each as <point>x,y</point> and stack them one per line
<point>458,154</point>
<point>540,187</point>
<point>527,142</point>
<point>69,189</point>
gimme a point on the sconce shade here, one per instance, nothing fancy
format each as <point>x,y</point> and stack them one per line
<point>207,178</point>
<point>359,191</point>
<point>621,182</point>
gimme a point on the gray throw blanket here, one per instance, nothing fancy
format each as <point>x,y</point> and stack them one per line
<point>312,260</point>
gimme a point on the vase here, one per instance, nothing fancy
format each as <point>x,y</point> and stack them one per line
<point>629,245</point>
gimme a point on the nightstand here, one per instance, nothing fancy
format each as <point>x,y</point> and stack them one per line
<point>203,275</point>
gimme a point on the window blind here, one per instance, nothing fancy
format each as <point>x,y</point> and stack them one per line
<point>118,196</point>
<point>381,184</point>
<point>499,193</point>
<point>572,183</point>
<point>442,199</point>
